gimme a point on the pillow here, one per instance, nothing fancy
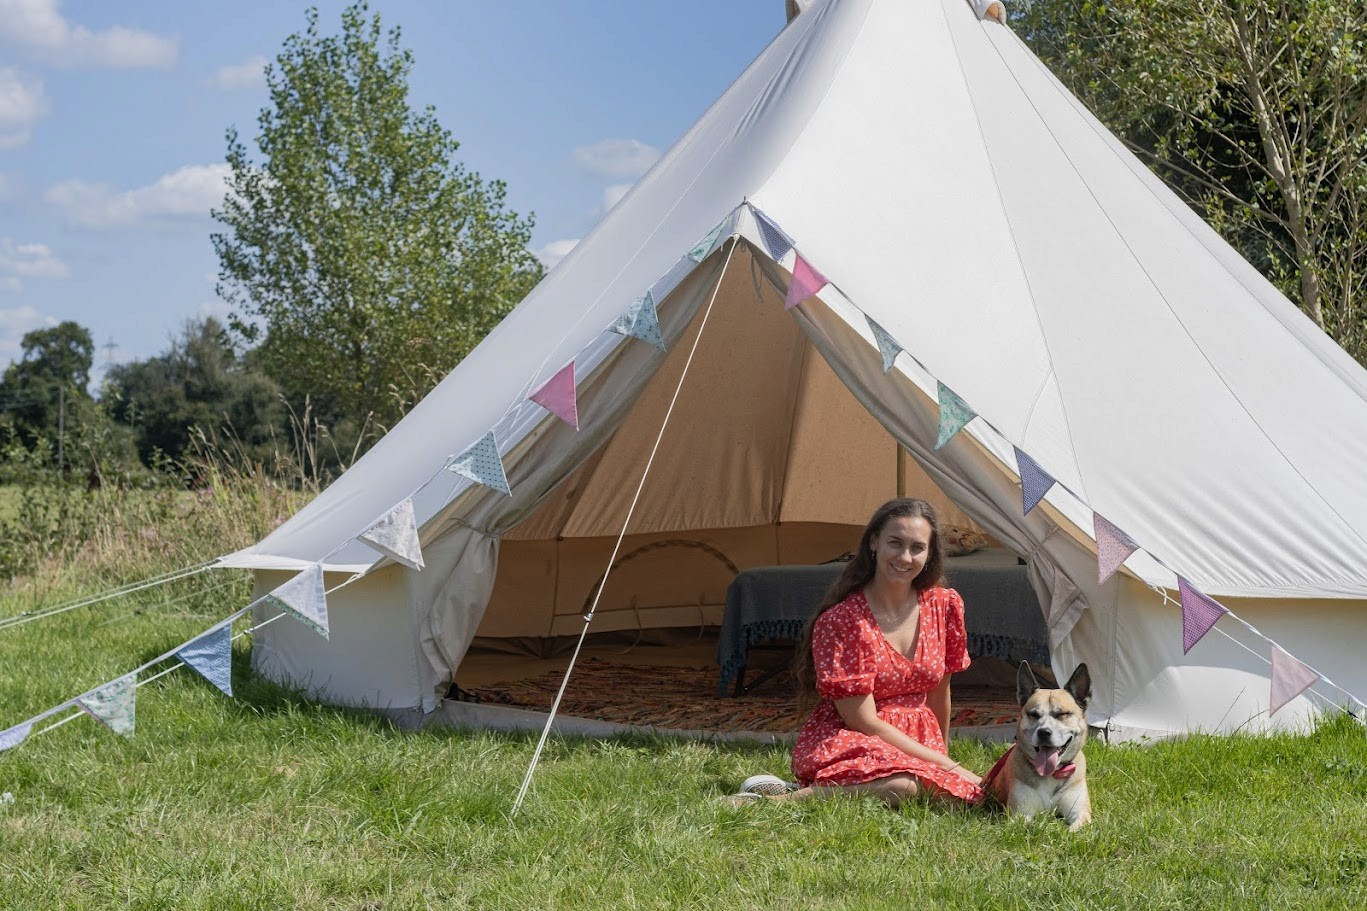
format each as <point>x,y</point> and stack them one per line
<point>957,540</point>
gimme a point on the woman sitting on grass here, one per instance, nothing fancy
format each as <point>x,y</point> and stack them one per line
<point>875,659</point>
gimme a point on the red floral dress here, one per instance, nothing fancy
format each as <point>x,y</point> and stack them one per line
<point>853,658</point>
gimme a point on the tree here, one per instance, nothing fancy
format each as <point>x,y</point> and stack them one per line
<point>198,384</point>
<point>1254,110</point>
<point>358,252</point>
<point>48,382</point>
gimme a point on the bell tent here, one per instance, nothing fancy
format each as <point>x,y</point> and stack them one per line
<point>920,188</point>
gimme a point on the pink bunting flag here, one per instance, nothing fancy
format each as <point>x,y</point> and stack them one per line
<point>1113,548</point>
<point>1200,612</point>
<point>1035,481</point>
<point>806,282</point>
<point>557,396</point>
<point>1290,678</point>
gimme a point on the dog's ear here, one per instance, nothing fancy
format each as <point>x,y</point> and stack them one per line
<point>1079,686</point>
<point>1026,684</point>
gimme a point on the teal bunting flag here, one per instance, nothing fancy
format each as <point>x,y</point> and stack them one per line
<point>113,705</point>
<point>954,414</point>
<point>641,321</point>
<point>888,347</point>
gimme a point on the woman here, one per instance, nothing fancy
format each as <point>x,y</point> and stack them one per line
<point>876,657</point>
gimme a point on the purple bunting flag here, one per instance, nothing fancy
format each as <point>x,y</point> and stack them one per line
<point>481,464</point>
<point>954,414</point>
<point>212,656</point>
<point>12,737</point>
<point>806,282</point>
<point>1290,678</point>
<point>1035,481</point>
<point>887,345</point>
<point>775,239</point>
<point>1113,548</point>
<point>1200,612</point>
<point>305,598</point>
<point>557,396</point>
<point>113,705</point>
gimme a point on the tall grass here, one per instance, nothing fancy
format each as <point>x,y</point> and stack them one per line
<point>270,801</point>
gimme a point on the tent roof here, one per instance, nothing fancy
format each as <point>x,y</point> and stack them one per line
<point>955,192</point>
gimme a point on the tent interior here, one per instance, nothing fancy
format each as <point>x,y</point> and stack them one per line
<point>767,459</point>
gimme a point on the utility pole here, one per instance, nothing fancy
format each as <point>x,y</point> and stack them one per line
<point>61,429</point>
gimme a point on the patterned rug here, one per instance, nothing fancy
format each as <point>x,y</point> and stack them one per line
<point>686,698</point>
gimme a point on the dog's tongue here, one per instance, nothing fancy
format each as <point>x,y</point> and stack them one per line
<point>1046,761</point>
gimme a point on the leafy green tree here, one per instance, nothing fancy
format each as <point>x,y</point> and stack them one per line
<point>1254,110</point>
<point>198,384</point>
<point>360,255</point>
<point>48,382</point>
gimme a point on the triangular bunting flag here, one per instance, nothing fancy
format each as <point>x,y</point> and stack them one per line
<point>1035,481</point>
<point>1199,613</point>
<point>396,535</point>
<point>1113,547</point>
<point>704,247</point>
<point>641,321</point>
<point>481,464</point>
<point>775,239</point>
<point>557,396</point>
<point>11,738</point>
<point>1290,678</point>
<point>304,597</point>
<point>114,704</point>
<point>806,282</point>
<point>954,414</point>
<point>887,345</point>
<point>212,656</point>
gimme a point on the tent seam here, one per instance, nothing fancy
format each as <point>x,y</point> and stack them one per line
<point>1025,275</point>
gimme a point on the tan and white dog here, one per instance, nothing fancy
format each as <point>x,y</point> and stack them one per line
<point>1045,772</point>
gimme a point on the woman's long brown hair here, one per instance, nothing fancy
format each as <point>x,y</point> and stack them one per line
<point>858,573</point>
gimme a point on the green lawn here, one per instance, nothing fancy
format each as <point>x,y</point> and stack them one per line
<point>266,801</point>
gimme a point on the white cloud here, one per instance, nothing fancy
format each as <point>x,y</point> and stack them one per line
<point>21,103</point>
<point>615,157</point>
<point>187,193</point>
<point>14,324</point>
<point>247,75</point>
<point>555,251</point>
<point>613,195</point>
<point>38,26</point>
<point>21,261</point>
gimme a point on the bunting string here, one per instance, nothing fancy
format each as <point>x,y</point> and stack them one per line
<point>109,594</point>
<point>616,547</point>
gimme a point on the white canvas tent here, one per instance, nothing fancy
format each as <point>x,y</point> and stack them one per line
<point>955,193</point>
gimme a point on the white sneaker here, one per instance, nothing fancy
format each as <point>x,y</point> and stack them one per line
<point>768,785</point>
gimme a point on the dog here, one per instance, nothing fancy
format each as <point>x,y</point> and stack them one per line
<point>1045,770</point>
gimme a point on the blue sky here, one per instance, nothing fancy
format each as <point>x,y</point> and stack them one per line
<point>112,122</point>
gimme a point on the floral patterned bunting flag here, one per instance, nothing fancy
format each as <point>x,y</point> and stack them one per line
<point>305,599</point>
<point>954,414</point>
<point>396,535</point>
<point>641,321</point>
<point>113,705</point>
<point>12,737</point>
<point>887,345</point>
<point>1113,547</point>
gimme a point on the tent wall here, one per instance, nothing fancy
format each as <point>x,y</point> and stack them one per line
<point>371,657</point>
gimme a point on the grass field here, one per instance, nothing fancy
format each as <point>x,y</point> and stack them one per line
<point>266,801</point>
